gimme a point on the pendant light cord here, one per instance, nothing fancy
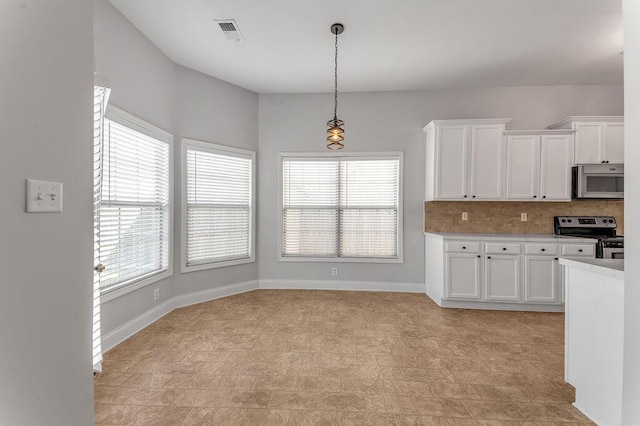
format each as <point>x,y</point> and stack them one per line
<point>335,87</point>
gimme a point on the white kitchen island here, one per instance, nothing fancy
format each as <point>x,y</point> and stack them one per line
<point>594,330</point>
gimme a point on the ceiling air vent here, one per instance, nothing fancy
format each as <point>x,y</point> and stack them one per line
<point>230,29</point>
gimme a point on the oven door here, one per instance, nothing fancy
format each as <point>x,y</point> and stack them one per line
<point>613,253</point>
<point>600,181</point>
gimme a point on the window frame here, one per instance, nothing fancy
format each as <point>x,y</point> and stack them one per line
<point>134,123</point>
<point>399,155</point>
<point>220,150</point>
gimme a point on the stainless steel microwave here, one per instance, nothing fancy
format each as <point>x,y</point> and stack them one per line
<point>604,181</point>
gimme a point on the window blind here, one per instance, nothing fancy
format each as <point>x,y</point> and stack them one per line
<point>100,97</point>
<point>219,205</point>
<point>345,207</point>
<point>134,208</point>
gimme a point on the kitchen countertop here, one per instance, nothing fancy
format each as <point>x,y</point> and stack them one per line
<point>609,267</point>
<point>519,237</point>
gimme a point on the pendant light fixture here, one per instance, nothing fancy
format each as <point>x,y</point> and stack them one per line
<point>335,131</point>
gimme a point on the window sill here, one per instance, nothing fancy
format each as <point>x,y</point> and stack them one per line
<point>215,265</point>
<point>111,294</point>
<point>340,259</point>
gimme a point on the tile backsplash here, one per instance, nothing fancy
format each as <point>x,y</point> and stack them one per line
<point>503,217</point>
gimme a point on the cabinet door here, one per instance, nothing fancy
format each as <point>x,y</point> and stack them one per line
<point>523,164</point>
<point>613,136</point>
<point>487,159</point>
<point>451,162</point>
<point>463,276</point>
<point>555,167</point>
<point>541,279</point>
<point>588,143</point>
<point>502,278</point>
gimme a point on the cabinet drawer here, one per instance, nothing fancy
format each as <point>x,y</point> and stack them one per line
<point>541,249</point>
<point>462,247</point>
<point>578,250</point>
<point>502,248</point>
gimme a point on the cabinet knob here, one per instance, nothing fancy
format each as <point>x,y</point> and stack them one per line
<point>464,247</point>
<point>544,196</point>
<point>556,258</point>
<point>535,196</point>
<point>543,249</point>
<point>607,161</point>
<point>603,161</point>
<point>580,250</point>
<point>488,257</point>
<point>504,248</point>
<point>479,256</point>
<point>465,196</point>
<point>473,196</point>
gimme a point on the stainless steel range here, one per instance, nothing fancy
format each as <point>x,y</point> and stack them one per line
<point>603,228</point>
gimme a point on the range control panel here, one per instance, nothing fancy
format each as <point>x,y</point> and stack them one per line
<point>585,221</point>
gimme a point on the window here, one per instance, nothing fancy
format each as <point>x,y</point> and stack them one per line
<point>342,208</point>
<point>135,213</point>
<point>218,206</point>
<point>100,98</point>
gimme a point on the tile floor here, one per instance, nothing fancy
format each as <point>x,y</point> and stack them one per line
<point>289,357</point>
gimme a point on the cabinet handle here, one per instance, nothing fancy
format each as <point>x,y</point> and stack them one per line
<point>580,250</point>
<point>543,249</point>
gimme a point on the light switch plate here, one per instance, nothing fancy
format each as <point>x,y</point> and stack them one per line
<point>43,196</point>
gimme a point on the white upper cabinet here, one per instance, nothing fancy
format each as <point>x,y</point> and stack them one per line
<point>598,139</point>
<point>523,163</point>
<point>465,159</point>
<point>539,165</point>
<point>556,159</point>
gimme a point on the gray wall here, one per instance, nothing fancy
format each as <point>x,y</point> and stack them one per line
<point>631,371</point>
<point>393,121</point>
<point>146,83</point>
<point>214,111</point>
<point>142,83</point>
<point>46,259</point>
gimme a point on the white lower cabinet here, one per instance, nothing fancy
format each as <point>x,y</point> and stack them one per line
<point>463,276</point>
<point>541,279</point>
<point>502,278</point>
<point>504,273</point>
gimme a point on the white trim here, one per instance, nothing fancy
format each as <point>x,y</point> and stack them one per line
<point>540,132</point>
<point>386,155</point>
<point>501,306</point>
<point>464,121</point>
<point>382,286</point>
<point>128,329</point>
<point>587,119</point>
<point>214,293</point>
<point>131,121</point>
<point>215,149</point>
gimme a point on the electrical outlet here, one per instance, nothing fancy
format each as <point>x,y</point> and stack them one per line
<point>523,217</point>
<point>334,271</point>
<point>156,293</point>
<point>465,216</point>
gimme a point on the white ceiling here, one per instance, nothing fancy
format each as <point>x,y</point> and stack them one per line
<point>389,45</point>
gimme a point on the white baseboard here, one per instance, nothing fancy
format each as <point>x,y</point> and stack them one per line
<point>342,285</point>
<point>214,293</point>
<point>128,329</point>
<point>500,306</point>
